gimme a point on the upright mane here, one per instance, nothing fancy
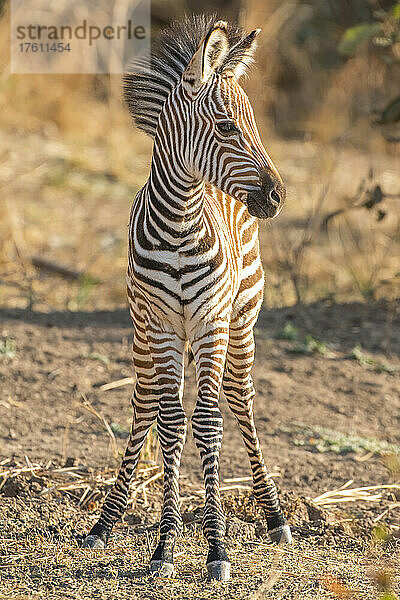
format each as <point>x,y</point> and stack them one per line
<point>150,79</point>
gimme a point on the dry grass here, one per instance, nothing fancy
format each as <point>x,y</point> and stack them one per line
<point>50,568</point>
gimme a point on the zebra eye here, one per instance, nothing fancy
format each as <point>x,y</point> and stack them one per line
<point>226,127</point>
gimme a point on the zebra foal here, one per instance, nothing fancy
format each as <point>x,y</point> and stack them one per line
<point>194,271</point>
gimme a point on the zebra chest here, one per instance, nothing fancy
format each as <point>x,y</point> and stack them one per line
<point>209,282</point>
<point>181,286</point>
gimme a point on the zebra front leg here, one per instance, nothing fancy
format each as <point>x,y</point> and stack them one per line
<point>209,354</point>
<point>167,351</point>
<point>171,426</point>
<point>239,392</point>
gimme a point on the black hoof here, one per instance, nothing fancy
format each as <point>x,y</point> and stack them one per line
<point>93,541</point>
<point>219,570</point>
<point>281,535</point>
<point>161,568</point>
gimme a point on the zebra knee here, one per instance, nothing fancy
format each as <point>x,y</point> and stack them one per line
<point>239,389</point>
<point>171,425</point>
<point>207,426</point>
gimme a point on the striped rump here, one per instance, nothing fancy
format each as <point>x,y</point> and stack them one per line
<point>150,79</point>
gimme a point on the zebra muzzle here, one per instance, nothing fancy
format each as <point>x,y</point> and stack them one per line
<point>263,206</point>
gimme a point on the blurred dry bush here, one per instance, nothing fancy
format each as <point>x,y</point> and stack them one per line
<point>305,84</point>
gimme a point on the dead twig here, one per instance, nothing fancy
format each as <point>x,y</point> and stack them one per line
<point>275,574</point>
<point>365,197</point>
<point>361,494</point>
<point>55,268</point>
<point>87,405</point>
<point>142,488</point>
<point>116,384</point>
<point>385,512</point>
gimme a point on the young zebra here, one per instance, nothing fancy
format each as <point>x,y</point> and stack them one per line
<point>194,275</point>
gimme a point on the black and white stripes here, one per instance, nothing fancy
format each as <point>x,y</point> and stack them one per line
<point>194,270</point>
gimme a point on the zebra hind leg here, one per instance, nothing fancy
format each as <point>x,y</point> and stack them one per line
<point>239,392</point>
<point>145,400</point>
<point>144,415</point>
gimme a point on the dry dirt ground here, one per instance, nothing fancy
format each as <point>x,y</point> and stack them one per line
<point>327,411</point>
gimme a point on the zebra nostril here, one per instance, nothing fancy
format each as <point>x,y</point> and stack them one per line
<point>274,197</point>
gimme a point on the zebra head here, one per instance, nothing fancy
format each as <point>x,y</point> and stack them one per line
<point>223,144</point>
<point>187,96</point>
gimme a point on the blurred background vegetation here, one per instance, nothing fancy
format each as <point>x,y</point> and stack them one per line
<point>326,92</point>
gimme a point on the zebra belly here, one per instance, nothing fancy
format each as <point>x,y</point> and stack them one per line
<point>187,307</point>
<point>198,298</point>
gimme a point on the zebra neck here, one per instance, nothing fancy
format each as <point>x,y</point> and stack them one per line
<point>174,206</point>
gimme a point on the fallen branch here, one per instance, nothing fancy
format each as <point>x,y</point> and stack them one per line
<point>52,267</point>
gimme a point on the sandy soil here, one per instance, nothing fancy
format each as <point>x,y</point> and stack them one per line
<point>302,385</point>
<point>61,356</point>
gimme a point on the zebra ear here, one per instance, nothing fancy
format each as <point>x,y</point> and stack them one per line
<point>243,53</point>
<point>208,57</point>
